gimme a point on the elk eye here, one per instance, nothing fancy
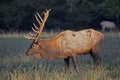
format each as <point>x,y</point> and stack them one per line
<point>33,45</point>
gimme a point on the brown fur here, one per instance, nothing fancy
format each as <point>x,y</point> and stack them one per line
<point>68,44</point>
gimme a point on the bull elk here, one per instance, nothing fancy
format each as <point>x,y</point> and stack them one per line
<point>67,44</point>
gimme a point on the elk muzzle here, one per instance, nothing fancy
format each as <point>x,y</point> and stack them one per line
<point>29,52</point>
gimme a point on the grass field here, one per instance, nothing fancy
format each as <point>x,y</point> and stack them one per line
<point>15,65</point>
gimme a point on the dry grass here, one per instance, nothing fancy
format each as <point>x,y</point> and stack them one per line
<point>21,34</point>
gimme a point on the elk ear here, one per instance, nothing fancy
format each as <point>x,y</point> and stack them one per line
<point>37,55</point>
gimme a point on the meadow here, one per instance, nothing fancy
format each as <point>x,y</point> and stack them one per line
<point>15,65</point>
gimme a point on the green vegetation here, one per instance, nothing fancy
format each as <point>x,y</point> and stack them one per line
<point>18,15</point>
<point>15,65</point>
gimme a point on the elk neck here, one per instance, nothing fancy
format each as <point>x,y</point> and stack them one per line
<point>49,48</point>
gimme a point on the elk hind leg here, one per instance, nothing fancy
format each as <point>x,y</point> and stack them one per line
<point>96,58</point>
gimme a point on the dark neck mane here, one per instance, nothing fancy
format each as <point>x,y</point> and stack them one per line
<point>51,47</point>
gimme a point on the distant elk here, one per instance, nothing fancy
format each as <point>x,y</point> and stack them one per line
<point>108,25</point>
<point>67,44</point>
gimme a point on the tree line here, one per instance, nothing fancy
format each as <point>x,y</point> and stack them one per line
<point>18,15</point>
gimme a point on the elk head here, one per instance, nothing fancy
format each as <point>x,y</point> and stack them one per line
<point>35,46</point>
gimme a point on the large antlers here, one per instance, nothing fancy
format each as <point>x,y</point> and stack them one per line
<point>41,25</point>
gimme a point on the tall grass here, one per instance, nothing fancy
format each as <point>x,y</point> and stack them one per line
<point>21,34</point>
<point>15,65</point>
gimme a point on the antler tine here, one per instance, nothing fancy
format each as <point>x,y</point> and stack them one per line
<point>41,22</point>
<point>46,14</point>
<point>35,27</point>
<point>30,36</point>
<point>34,30</point>
<point>39,16</point>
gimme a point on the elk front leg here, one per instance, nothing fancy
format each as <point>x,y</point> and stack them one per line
<point>66,63</point>
<point>75,62</point>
